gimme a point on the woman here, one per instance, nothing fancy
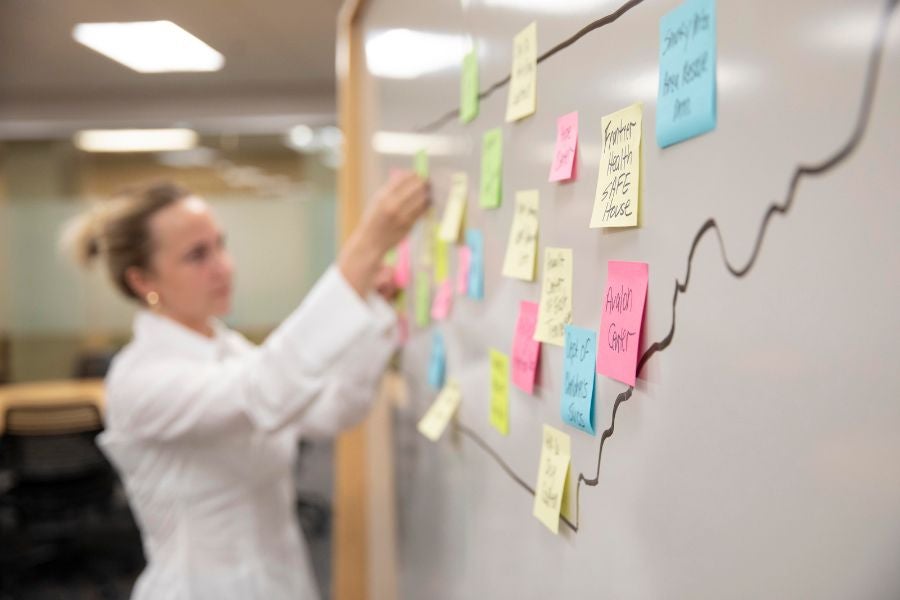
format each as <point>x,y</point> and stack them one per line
<point>202,425</point>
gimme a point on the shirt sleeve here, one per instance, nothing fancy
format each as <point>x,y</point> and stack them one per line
<point>269,387</point>
<point>353,380</point>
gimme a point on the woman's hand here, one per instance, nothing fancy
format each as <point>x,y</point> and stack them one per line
<point>384,283</point>
<point>392,213</point>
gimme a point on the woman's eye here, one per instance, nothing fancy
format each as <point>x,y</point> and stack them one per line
<point>197,255</point>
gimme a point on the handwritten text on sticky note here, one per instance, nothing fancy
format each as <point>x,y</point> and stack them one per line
<point>555,309</point>
<point>521,248</point>
<point>556,452</point>
<point>579,374</point>
<point>620,325</point>
<point>618,184</point>
<point>499,415</point>
<point>491,190</point>
<point>468,87</point>
<point>522,99</point>
<point>564,156</point>
<point>686,101</point>
<point>526,350</point>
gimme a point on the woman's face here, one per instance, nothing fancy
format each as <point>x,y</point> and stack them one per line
<point>191,269</point>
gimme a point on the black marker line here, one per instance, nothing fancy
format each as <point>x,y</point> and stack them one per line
<point>453,114</point>
<point>840,155</point>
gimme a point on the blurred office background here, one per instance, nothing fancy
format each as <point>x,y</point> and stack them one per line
<point>253,133</point>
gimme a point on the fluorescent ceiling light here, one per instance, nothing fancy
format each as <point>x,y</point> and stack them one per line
<point>398,142</point>
<point>407,54</point>
<point>135,140</point>
<point>149,46</point>
<point>549,7</point>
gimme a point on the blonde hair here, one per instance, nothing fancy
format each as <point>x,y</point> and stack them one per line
<point>118,231</point>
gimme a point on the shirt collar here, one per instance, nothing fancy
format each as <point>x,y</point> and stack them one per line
<point>167,333</point>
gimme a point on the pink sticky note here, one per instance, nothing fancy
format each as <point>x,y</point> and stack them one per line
<point>443,300</point>
<point>464,259</point>
<point>526,351</point>
<point>620,325</point>
<point>403,269</point>
<point>566,148</point>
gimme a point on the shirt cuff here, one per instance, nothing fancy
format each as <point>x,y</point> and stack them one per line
<point>327,322</point>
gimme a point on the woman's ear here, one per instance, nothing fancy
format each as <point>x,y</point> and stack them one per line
<point>139,282</point>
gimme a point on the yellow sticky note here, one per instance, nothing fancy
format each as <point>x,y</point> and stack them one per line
<point>499,415</point>
<point>522,99</point>
<point>435,421</point>
<point>455,211</point>
<point>521,248</point>
<point>441,261</point>
<point>555,309</point>
<point>556,451</point>
<point>619,182</point>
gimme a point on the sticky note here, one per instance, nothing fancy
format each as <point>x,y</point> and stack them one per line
<point>427,239</point>
<point>468,87</point>
<point>499,393</point>
<point>619,182</point>
<point>441,261</point>
<point>443,301</point>
<point>402,265</point>
<point>491,168</point>
<point>435,421</point>
<point>686,99</point>
<point>521,248</point>
<point>455,211</point>
<point>522,99</point>
<point>556,452</point>
<point>475,242</point>
<point>620,324</point>
<point>422,299</point>
<point>526,351</point>
<point>437,365</point>
<point>563,166</point>
<point>579,375</point>
<point>555,309</point>
<point>463,259</point>
<point>420,164</point>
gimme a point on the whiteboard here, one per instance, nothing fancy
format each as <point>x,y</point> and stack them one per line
<point>758,455</point>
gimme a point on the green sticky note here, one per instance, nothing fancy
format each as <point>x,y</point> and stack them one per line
<point>491,168</point>
<point>420,164</point>
<point>468,88</point>
<point>423,299</point>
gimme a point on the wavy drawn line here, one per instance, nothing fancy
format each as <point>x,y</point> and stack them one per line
<point>450,115</point>
<point>840,155</point>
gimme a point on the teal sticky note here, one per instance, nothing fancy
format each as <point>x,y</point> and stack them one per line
<point>437,365</point>
<point>475,242</point>
<point>579,377</point>
<point>686,100</point>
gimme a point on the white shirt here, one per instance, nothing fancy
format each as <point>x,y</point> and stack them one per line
<point>204,432</point>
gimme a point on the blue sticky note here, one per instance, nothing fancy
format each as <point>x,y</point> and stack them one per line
<point>475,242</point>
<point>686,101</point>
<point>437,368</point>
<point>579,377</point>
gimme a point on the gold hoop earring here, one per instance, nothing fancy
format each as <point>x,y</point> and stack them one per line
<point>152,299</point>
